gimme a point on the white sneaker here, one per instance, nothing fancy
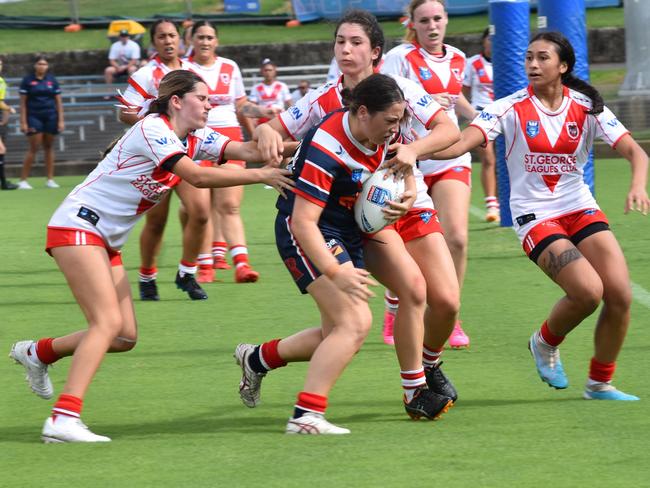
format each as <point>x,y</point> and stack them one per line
<point>36,371</point>
<point>69,429</point>
<point>251,381</point>
<point>52,184</point>
<point>23,185</point>
<point>314,424</point>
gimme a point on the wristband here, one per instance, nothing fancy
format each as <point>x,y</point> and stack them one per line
<point>331,270</point>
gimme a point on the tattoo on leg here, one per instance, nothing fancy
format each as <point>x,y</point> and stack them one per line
<point>554,263</point>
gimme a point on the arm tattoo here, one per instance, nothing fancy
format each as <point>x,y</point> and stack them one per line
<point>554,263</point>
<point>251,110</point>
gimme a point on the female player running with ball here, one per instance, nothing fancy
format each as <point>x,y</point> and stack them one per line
<point>410,257</point>
<point>91,225</point>
<point>549,129</point>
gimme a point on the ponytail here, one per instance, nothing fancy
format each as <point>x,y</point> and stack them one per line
<point>597,103</point>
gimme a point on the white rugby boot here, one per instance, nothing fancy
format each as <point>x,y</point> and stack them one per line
<point>313,424</point>
<point>69,429</point>
<point>35,370</point>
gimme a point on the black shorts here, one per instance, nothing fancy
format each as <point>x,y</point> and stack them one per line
<point>45,122</point>
<point>302,270</point>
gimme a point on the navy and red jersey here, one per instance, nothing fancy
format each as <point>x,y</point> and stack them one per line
<point>41,93</point>
<point>330,169</point>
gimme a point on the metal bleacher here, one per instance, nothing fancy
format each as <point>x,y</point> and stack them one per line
<point>91,121</point>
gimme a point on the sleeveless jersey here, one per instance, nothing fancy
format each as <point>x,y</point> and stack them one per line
<point>143,84</point>
<point>546,152</point>
<point>316,104</point>
<point>478,77</point>
<point>131,179</point>
<point>435,75</point>
<point>225,88</point>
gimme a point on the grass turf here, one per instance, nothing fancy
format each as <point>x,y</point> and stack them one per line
<point>172,408</point>
<point>38,40</point>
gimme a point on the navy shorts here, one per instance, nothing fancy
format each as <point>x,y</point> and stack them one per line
<point>46,122</point>
<point>302,270</point>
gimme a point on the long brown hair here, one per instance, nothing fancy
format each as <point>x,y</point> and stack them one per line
<point>177,82</point>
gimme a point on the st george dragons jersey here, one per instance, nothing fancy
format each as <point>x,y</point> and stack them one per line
<point>131,179</point>
<point>435,75</point>
<point>311,109</point>
<point>546,152</point>
<point>330,169</point>
<point>143,84</point>
<point>225,88</point>
<point>274,95</point>
<point>478,77</point>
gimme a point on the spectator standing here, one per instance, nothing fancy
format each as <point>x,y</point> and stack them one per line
<point>5,110</point>
<point>41,118</point>
<point>270,93</point>
<point>123,58</point>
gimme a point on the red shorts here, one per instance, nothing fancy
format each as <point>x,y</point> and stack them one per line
<point>61,237</point>
<point>574,226</point>
<point>234,134</point>
<point>418,222</point>
<point>459,173</point>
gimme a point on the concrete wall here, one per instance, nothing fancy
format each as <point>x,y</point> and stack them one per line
<point>605,46</point>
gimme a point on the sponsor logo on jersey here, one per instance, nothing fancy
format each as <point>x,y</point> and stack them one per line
<point>295,113</point>
<point>456,73</point>
<point>225,78</point>
<point>457,169</point>
<point>572,130</point>
<point>613,122</point>
<point>486,116</point>
<point>481,72</point>
<point>425,101</point>
<point>425,73</point>
<point>162,141</point>
<point>426,217</point>
<point>88,215</point>
<point>591,211</point>
<point>212,136</point>
<point>356,175</point>
<point>532,128</point>
<point>378,196</point>
<point>339,151</point>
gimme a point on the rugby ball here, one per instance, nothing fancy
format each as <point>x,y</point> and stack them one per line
<point>376,191</point>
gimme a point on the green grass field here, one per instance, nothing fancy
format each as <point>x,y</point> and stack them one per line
<point>30,40</point>
<point>173,411</point>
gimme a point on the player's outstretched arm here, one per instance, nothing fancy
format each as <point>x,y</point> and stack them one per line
<point>210,177</point>
<point>270,140</point>
<point>637,197</point>
<point>470,138</point>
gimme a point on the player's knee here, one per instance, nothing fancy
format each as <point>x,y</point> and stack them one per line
<point>445,303</point>
<point>589,296</point>
<point>228,208</point>
<point>413,291</point>
<point>618,298</point>
<point>124,344</point>
<point>456,240</point>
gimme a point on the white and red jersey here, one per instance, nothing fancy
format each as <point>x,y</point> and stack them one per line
<point>143,84</point>
<point>546,152</point>
<point>435,74</point>
<point>132,178</point>
<point>316,104</point>
<point>225,88</point>
<point>274,95</point>
<point>478,77</point>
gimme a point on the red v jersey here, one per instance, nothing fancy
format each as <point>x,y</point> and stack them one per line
<point>438,74</point>
<point>562,139</point>
<point>546,151</point>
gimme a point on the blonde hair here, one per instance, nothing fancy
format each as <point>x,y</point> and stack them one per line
<point>410,35</point>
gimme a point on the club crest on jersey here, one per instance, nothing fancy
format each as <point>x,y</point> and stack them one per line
<point>456,73</point>
<point>225,78</point>
<point>356,175</point>
<point>425,73</point>
<point>481,72</point>
<point>532,128</point>
<point>572,130</point>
